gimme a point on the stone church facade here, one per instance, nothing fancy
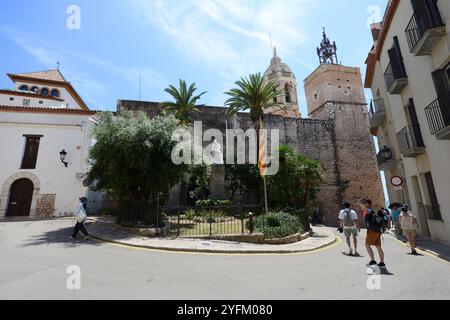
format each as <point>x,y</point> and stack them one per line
<point>336,132</point>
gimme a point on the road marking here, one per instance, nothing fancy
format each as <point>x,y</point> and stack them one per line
<point>423,252</point>
<point>334,244</point>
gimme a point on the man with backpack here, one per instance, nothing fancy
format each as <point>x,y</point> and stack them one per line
<point>350,226</point>
<point>375,229</point>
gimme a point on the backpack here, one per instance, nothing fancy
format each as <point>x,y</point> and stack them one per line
<point>348,220</point>
<point>375,221</point>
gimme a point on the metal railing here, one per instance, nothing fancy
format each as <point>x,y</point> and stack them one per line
<point>435,117</point>
<point>198,221</point>
<point>389,76</point>
<point>209,221</point>
<point>421,22</point>
<point>376,107</point>
<point>407,139</point>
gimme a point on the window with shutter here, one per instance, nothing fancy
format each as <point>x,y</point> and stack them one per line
<point>436,210</point>
<point>31,152</point>
<point>418,139</point>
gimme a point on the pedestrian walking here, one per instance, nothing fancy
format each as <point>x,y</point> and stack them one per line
<point>363,208</point>
<point>350,226</point>
<point>395,216</point>
<point>409,226</point>
<point>387,218</point>
<point>80,216</point>
<point>375,229</point>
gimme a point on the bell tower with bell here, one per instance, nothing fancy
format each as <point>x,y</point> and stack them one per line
<point>327,51</point>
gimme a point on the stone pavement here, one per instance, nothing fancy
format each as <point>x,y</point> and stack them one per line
<point>105,230</point>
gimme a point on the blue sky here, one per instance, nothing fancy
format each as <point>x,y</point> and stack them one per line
<point>210,42</point>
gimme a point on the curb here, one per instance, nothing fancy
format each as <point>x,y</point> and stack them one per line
<point>432,253</point>
<point>334,241</point>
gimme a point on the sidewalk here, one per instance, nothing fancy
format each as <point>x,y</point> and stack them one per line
<point>105,230</point>
<point>440,250</point>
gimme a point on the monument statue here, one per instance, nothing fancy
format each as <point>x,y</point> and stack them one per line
<point>217,154</point>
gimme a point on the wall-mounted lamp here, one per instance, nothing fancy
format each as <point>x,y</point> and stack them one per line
<point>387,153</point>
<point>63,155</point>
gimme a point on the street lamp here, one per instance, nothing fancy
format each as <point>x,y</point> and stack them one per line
<point>63,155</point>
<point>387,153</point>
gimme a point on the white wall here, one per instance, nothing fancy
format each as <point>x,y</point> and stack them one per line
<point>69,132</point>
<point>64,94</point>
<point>34,102</point>
<point>421,89</point>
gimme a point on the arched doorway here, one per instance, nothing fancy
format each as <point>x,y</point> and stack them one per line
<point>20,198</point>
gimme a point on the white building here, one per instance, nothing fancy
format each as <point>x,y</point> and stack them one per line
<point>45,137</point>
<point>408,72</point>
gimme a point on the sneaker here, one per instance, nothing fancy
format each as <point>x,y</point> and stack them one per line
<point>382,265</point>
<point>87,237</point>
<point>372,263</point>
<point>357,253</point>
<point>414,252</point>
<point>350,252</point>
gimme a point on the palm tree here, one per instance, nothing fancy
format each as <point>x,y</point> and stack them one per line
<point>185,102</point>
<point>312,175</point>
<point>253,94</point>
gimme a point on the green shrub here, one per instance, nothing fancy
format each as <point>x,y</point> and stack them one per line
<point>191,214</point>
<point>277,225</point>
<point>212,203</point>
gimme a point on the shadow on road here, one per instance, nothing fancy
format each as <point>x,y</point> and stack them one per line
<point>352,256</point>
<point>60,236</point>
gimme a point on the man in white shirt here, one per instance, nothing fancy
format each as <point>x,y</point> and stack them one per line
<point>349,224</point>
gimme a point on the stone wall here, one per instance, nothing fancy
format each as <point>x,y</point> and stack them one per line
<point>45,206</point>
<point>314,138</point>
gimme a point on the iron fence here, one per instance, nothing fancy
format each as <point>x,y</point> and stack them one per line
<point>198,221</point>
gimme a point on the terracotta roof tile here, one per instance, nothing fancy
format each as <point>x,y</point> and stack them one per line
<point>50,75</point>
<point>45,110</point>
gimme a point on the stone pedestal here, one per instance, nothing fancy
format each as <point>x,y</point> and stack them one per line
<point>217,182</point>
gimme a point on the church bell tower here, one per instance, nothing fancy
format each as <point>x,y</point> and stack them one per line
<point>287,82</point>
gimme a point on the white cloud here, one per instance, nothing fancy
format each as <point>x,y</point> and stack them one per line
<point>91,90</point>
<point>231,36</point>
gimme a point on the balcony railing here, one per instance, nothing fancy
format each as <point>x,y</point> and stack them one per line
<point>438,123</point>
<point>410,143</point>
<point>425,29</point>
<point>394,83</point>
<point>377,113</point>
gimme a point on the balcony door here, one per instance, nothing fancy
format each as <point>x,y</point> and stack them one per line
<point>421,209</point>
<point>414,121</point>
<point>427,14</point>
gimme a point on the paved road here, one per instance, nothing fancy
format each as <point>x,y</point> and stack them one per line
<point>35,257</point>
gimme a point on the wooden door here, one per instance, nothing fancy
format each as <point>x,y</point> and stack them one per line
<point>20,198</point>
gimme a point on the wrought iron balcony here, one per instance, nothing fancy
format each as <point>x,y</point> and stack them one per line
<point>425,29</point>
<point>386,159</point>
<point>410,142</point>
<point>395,83</point>
<point>377,113</point>
<point>438,120</point>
